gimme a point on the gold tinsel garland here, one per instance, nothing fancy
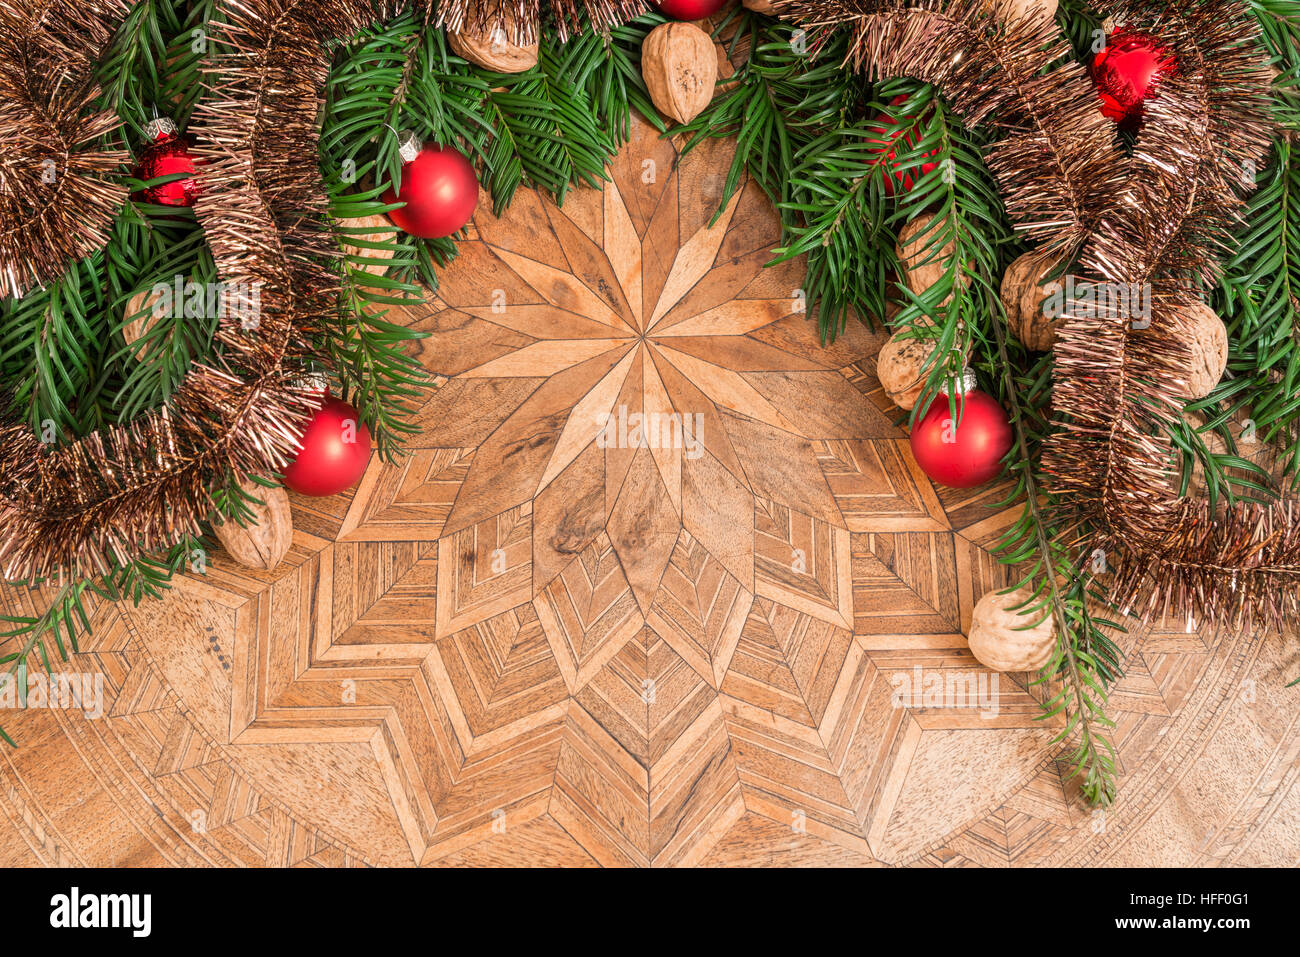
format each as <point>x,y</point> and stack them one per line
<point>57,197</point>
<point>75,509</point>
<point>519,20</point>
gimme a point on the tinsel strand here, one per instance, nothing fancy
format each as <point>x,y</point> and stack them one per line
<point>520,20</point>
<point>58,196</point>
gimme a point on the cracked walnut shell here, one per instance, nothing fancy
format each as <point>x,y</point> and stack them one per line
<point>1001,638</point>
<point>1208,338</point>
<point>923,265</point>
<point>140,318</point>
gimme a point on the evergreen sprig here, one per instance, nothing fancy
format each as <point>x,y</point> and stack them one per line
<point>1259,298</point>
<point>800,133</point>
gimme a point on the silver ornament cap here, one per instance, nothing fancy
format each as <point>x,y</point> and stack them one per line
<point>310,383</point>
<point>159,127</point>
<point>408,146</point>
<point>965,381</point>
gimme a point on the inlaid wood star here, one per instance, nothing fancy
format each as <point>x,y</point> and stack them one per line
<point>675,408</point>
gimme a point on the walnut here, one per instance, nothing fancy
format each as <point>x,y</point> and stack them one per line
<point>263,544</point>
<point>923,265</point>
<point>1015,9</point>
<point>141,306</point>
<point>374,229</point>
<point>760,6</point>
<point>1208,338</point>
<point>1000,638</point>
<point>493,51</point>
<point>1025,285</point>
<point>680,67</point>
<point>900,368</point>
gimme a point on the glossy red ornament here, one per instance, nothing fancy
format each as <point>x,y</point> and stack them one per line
<point>889,131</point>
<point>965,455</point>
<point>167,154</point>
<point>439,189</point>
<point>1127,72</point>
<point>335,451</point>
<point>688,9</point>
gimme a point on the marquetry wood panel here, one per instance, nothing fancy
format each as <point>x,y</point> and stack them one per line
<point>658,584</point>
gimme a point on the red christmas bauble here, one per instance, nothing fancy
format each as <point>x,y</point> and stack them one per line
<point>965,455</point>
<point>440,191</point>
<point>167,155</point>
<point>1127,72</point>
<point>890,130</point>
<point>335,451</point>
<point>689,9</point>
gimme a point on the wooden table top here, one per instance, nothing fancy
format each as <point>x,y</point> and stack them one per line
<point>547,638</point>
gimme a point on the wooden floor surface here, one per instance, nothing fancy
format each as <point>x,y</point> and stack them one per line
<point>546,638</point>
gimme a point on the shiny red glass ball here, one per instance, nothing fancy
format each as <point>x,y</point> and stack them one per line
<point>440,191</point>
<point>1127,72</point>
<point>689,9</point>
<point>335,451</point>
<point>886,140</point>
<point>167,156</point>
<point>965,455</point>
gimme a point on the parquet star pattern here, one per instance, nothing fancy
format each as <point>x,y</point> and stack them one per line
<point>524,644</point>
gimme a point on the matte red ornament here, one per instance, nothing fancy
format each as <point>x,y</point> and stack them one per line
<point>689,9</point>
<point>439,189</point>
<point>335,451</point>
<point>890,130</point>
<point>1127,72</point>
<point>965,455</point>
<point>167,154</point>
